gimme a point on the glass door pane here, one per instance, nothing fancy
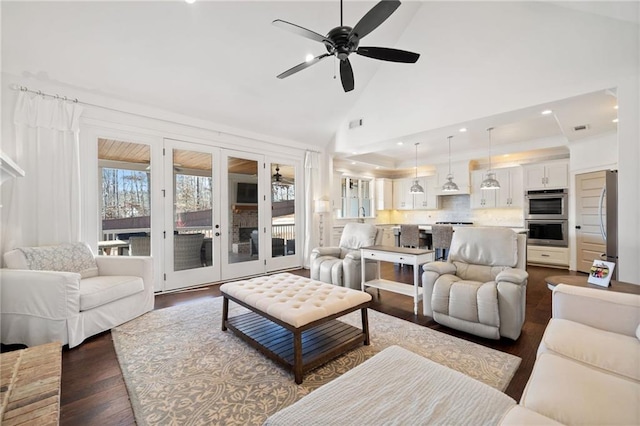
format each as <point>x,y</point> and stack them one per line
<point>244,241</point>
<point>285,241</point>
<point>193,204</point>
<point>283,209</point>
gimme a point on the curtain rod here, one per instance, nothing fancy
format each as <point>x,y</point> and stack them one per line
<point>20,88</point>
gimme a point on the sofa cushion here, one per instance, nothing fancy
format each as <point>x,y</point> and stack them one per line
<point>520,416</point>
<point>66,257</point>
<point>597,348</point>
<point>98,291</point>
<point>573,393</point>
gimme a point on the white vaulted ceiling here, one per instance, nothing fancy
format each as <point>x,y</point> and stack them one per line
<point>482,64</point>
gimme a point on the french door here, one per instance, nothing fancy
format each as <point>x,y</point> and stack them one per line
<point>244,198</point>
<point>192,214</point>
<point>204,213</point>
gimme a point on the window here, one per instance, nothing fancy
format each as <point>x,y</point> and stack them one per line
<point>356,197</point>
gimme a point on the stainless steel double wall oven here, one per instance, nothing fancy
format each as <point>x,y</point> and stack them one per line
<point>546,217</point>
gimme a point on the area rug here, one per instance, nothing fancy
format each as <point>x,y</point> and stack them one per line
<point>180,368</point>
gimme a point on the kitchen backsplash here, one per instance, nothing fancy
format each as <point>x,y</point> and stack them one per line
<point>455,208</point>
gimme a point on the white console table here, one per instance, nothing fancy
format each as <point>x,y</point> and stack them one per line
<point>402,255</point>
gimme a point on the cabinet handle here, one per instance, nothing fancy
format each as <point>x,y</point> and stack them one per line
<point>544,255</point>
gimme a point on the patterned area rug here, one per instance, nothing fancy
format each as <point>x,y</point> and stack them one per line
<point>180,368</point>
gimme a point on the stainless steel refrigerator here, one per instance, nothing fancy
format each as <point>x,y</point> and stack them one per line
<point>608,212</point>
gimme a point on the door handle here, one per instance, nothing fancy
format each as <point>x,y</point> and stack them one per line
<point>578,227</point>
<point>217,234</point>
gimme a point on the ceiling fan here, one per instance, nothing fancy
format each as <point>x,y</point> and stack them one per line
<point>343,41</point>
<point>278,179</point>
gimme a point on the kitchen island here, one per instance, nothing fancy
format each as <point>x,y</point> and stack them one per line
<point>425,232</point>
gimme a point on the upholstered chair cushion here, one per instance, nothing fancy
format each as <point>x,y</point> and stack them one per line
<point>485,246</point>
<point>357,235</point>
<point>66,257</point>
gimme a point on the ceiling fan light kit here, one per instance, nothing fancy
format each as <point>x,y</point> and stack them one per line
<point>490,182</point>
<point>342,41</point>
<point>416,188</point>
<point>450,185</point>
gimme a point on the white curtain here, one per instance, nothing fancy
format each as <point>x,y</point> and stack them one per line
<point>311,192</point>
<point>43,207</point>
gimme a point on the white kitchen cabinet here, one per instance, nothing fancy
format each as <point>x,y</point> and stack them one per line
<point>546,175</point>
<point>543,255</point>
<point>509,195</point>
<point>384,194</point>
<point>511,192</point>
<point>461,175</point>
<point>428,200</point>
<point>481,199</point>
<point>402,198</point>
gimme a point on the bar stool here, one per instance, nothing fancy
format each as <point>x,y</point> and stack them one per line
<point>409,236</point>
<point>442,235</point>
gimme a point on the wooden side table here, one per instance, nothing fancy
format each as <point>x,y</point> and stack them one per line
<point>581,281</point>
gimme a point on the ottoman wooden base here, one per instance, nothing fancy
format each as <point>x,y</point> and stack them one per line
<point>298,348</point>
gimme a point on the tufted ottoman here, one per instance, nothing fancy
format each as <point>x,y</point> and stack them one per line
<point>288,310</point>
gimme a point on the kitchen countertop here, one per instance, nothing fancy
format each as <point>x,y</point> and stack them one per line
<point>427,227</point>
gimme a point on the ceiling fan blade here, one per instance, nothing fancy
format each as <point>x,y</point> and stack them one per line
<point>302,66</point>
<point>376,16</point>
<point>387,54</point>
<point>301,31</point>
<point>346,75</point>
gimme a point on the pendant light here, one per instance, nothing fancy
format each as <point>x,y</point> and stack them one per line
<point>416,188</point>
<point>490,182</point>
<point>450,185</point>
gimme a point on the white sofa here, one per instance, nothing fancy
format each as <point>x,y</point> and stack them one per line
<point>587,371</point>
<point>588,366</point>
<point>64,293</point>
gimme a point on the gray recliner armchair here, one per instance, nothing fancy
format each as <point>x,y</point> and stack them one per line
<point>481,289</point>
<point>342,265</point>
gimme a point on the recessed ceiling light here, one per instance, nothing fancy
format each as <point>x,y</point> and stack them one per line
<point>615,107</point>
<point>463,129</point>
<point>354,153</point>
<point>377,167</point>
<point>546,112</point>
<point>353,163</point>
<point>307,58</point>
<point>190,1</point>
<point>399,143</point>
<point>615,120</point>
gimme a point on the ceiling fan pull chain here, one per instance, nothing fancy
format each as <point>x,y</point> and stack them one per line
<point>334,67</point>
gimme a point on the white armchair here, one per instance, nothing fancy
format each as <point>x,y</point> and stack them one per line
<point>341,265</point>
<point>64,293</point>
<point>481,289</point>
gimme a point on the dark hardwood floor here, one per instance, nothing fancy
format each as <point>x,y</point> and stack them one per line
<point>93,390</point>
